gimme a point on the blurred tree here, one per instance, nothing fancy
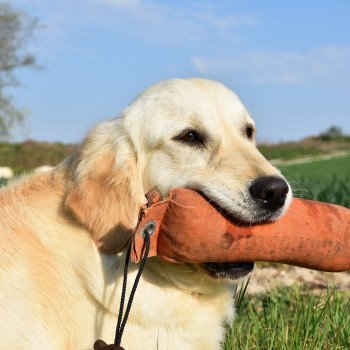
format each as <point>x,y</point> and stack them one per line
<point>331,133</point>
<point>16,29</point>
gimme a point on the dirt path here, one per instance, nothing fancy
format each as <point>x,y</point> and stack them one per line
<point>267,278</point>
<point>339,154</point>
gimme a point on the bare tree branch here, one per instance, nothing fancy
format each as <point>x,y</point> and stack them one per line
<point>16,29</point>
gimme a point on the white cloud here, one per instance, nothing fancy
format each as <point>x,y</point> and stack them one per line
<point>201,64</point>
<point>280,67</point>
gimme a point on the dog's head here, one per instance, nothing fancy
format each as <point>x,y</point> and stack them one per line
<point>192,133</point>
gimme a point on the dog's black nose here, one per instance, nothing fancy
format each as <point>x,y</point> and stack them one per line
<point>270,190</point>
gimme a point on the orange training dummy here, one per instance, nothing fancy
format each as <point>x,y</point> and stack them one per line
<point>187,228</point>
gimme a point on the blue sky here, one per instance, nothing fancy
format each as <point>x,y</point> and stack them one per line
<point>289,61</point>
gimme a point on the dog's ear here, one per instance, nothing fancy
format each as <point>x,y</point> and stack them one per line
<point>104,188</point>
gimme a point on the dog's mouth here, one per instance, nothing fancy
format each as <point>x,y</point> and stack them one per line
<point>244,212</point>
<point>228,270</point>
<point>239,214</point>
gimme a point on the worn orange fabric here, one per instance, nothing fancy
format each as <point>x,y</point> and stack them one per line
<point>311,234</point>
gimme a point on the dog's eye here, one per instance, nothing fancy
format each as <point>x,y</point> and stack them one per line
<point>249,131</point>
<point>190,137</point>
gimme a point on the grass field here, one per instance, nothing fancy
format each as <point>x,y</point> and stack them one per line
<point>31,154</point>
<point>311,146</point>
<point>324,180</point>
<point>291,319</point>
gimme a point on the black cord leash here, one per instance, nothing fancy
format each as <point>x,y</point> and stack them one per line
<point>100,344</point>
<point>121,324</point>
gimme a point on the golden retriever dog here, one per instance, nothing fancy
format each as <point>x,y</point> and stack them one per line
<point>64,232</point>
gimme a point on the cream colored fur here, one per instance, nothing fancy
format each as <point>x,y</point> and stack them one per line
<point>64,232</point>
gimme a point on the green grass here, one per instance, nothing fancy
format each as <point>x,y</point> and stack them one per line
<point>291,319</point>
<point>324,180</point>
<point>321,169</point>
